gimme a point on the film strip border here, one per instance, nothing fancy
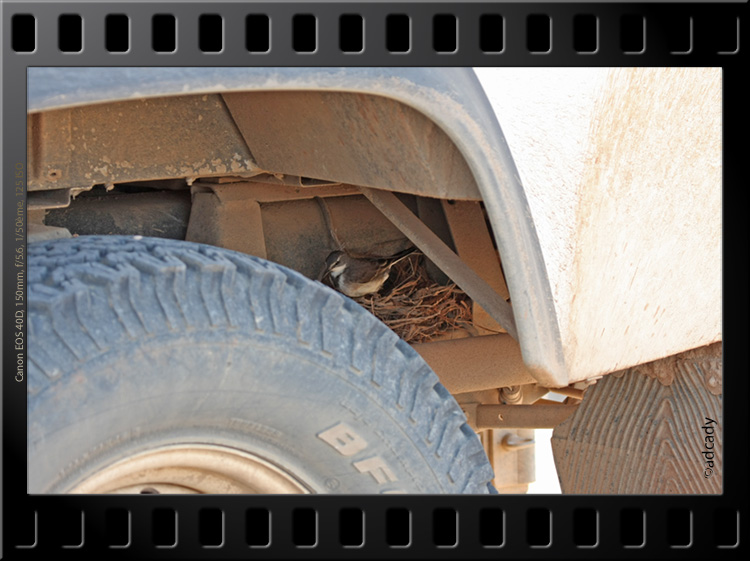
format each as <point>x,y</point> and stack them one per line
<point>440,527</point>
<point>79,34</point>
<point>361,34</point>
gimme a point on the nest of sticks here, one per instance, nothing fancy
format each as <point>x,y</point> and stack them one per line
<point>417,308</point>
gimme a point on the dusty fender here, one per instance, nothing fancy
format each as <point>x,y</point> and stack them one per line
<point>452,98</point>
<point>622,171</point>
<point>605,199</point>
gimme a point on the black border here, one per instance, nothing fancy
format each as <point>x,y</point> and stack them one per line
<point>18,511</point>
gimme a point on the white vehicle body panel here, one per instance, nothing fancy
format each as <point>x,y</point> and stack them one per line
<point>622,171</point>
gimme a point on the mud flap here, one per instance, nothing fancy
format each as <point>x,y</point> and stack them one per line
<point>652,429</point>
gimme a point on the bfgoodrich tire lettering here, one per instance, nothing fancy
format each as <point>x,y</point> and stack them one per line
<point>139,344</point>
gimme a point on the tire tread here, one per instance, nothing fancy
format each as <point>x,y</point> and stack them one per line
<point>70,274</point>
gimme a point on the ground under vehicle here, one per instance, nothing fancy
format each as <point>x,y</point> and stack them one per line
<point>552,220</point>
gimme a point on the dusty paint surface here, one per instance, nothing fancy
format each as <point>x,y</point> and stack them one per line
<point>622,169</point>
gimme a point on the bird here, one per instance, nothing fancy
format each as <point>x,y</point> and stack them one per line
<point>359,276</point>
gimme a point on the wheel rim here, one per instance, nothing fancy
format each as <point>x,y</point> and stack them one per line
<point>192,469</point>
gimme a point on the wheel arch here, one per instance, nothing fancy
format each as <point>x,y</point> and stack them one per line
<point>453,103</point>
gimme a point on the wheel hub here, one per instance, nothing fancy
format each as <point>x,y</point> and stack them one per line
<point>192,469</point>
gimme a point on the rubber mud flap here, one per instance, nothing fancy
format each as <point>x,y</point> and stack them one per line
<point>652,429</point>
<point>139,345</point>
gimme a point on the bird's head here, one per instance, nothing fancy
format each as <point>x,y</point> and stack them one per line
<point>336,263</point>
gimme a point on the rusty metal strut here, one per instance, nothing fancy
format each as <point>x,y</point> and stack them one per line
<point>442,256</point>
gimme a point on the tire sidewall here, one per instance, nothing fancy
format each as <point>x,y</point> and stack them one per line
<point>223,388</point>
<point>139,343</point>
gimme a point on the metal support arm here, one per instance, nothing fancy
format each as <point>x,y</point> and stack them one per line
<point>541,416</point>
<point>440,254</point>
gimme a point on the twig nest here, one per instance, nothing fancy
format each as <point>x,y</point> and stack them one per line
<point>417,308</point>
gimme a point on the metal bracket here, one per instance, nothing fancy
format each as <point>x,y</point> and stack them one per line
<point>440,254</point>
<point>229,214</point>
<point>473,242</point>
<point>228,217</point>
<point>538,416</point>
<point>513,443</point>
<point>54,198</point>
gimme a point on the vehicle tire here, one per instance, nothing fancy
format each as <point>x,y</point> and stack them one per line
<point>647,430</point>
<point>162,366</point>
